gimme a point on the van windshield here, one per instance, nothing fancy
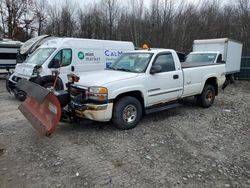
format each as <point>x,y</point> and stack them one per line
<point>132,62</point>
<point>40,56</point>
<point>201,58</point>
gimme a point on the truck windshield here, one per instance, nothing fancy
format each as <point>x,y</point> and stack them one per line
<point>201,58</point>
<point>40,56</point>
<point>132,62</point>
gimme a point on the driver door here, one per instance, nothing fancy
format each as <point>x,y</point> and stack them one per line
<point>64,57</point>
<point>165,85</point>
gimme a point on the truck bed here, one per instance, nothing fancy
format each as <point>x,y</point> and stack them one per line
<point>195,75</point>
<point>186,65</point>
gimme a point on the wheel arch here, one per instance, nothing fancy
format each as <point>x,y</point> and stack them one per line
<point>136,94</point>
<point>46,79</point>
<point>214,82</point>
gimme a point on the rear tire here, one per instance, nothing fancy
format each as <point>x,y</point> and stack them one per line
<point>127,113</point>
<point>206,98</point>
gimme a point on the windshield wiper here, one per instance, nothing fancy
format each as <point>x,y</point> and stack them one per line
<point>110,68</point>
<point>119,69</point>
<point>123,69</point>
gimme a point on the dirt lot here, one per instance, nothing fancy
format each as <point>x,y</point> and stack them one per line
<point>183,147</point>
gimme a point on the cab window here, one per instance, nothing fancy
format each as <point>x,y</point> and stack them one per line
<point>219,59</point>
<point>166,62</point>
<point>64,56</point>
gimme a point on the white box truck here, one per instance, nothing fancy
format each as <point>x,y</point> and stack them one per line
<point>8,53</point>
<point>218,50</point>
<point>68,55</point>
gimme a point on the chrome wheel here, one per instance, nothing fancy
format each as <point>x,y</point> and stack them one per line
<point>129,114</point>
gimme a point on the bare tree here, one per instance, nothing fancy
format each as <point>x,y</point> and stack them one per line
<point>86,27</point>
<point>40,13</point>
<point>244,22</point>
<point>165,23</point>
<point>111,9</point>
<point>13,15</point>
<point>14,11</point>
<point>54,26</point>
<point>68,19</point>
<point>137,11</point>
<point>3,16</point>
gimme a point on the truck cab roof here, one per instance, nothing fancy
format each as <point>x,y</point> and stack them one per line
<point>205,52</point>
<point>153,50</point>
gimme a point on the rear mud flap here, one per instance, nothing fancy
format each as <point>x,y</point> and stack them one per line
<point>41,107</point>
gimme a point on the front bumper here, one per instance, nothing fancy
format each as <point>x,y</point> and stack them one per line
<point>10,85</point>
<point>12,79</point>
<point>96,112</point>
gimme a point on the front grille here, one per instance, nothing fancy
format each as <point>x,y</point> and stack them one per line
<point>78,95</point>
<point>75,91</point>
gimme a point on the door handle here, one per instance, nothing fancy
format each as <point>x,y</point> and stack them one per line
<point>72,68</point>
<point>176,76</point>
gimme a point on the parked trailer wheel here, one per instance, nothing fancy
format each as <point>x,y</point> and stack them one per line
<point>206,98</point>
<point>127,113</point>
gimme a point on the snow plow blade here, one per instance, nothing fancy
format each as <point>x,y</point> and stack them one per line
<point>41,107</point>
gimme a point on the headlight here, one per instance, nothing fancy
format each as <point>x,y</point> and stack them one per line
<point>98,94</point>
<point>37,70</point>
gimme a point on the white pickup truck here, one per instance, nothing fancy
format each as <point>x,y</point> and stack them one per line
<point>141,82</point>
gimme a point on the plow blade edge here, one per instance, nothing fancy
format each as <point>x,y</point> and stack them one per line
<point>41,107</point>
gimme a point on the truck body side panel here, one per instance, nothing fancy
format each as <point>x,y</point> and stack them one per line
<point>218,47</point>
<point>195,78</point>
<point>233,57</point>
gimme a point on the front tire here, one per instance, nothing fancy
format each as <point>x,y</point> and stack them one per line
<point>49,86</point>
<point>127,113</point>
<point>20,95</point>
<point>206,98</point>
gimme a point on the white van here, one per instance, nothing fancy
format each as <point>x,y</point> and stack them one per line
<point>70,55</point>
<point>30,46</point>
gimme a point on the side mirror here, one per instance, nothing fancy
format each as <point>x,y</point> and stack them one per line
<point>155,69</point>
<point>55,63</point>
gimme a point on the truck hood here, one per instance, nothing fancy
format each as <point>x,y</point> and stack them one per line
<point>100,78</point>
<point>29,43</point>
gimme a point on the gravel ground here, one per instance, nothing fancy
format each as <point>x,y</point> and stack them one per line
<point>184,147</point>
